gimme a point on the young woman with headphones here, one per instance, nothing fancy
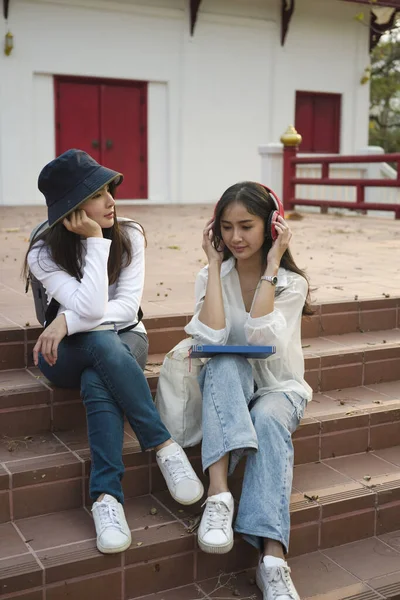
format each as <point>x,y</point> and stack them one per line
<point>251,293</point>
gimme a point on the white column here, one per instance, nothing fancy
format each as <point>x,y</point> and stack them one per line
<point>272,166</point>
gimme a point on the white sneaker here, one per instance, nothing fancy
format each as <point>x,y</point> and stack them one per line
<point>183,484</point>
<point>215,534</point>
<point>113,533</point>
<point>276,583</point>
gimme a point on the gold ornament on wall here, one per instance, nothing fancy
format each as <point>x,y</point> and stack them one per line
<point>8,43</point>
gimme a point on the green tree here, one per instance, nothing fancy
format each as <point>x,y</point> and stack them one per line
<point>384,123</point>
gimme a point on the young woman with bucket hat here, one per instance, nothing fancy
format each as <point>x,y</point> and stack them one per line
<point>91,265</point>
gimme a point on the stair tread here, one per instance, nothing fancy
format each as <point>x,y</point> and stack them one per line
<point>361,339</point>
<point>365,570</point>
<point>341,406</point>
<point>66,538</point>
<point>368,569</point>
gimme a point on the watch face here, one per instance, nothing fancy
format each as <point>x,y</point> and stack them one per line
<point>274,280</point>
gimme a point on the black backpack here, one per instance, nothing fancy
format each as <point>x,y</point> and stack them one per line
<point>46,313</point>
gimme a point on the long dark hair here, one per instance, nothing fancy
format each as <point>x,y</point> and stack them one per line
<point>259,202</point>
<point>66,248</point>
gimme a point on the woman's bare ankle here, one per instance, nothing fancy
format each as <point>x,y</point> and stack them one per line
<point>273,548</point>
<point>164,444</point>
<point>217,489</point>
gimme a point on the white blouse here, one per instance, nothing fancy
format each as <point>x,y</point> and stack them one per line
<point>91,301</point>
<point>283,371</point>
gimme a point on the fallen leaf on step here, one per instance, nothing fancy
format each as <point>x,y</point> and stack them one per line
<point>194,524</point>
<point>367,477</point>
<point>307,346</point>
<point>139,543</point>
<point>312,498</point>
<point>153,511</point>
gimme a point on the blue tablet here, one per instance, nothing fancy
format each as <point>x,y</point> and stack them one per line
<point>206,351</point>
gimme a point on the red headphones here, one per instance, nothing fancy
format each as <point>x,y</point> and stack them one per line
<point>270,231</point>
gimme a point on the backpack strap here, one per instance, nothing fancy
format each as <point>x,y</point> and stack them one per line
<point>51,312</point>
<point>130,327</point>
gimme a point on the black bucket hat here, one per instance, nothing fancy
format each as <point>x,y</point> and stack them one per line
<point>70,179</point>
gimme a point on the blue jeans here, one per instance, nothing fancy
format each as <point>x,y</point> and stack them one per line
<point>238,420</point>
<point>112,383</point>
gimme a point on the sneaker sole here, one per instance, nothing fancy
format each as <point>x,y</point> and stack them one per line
<point>215,549</point>
<point>115,550</point>
<point>260,584</point>
<point>188,503</point>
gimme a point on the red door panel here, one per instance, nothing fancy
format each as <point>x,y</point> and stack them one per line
<point>304,121</point>
<point>123,136</point>
<point>78,117</point>
<point>318,121</point>
<point>108,120</point>
<point>326,124</point>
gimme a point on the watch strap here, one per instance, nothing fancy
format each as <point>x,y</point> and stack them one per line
<point>273,280</point>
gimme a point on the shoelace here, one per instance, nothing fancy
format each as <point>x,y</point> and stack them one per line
<point>279,581</point>
<point>109,516</point>
<point>217,514</point>
<point>176,467</point>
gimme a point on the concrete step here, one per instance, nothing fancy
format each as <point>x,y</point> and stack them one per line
<point>354,500</point>
<point>335,318</point>
<point>346,487</point>
<point>30,404</point>
<point>48,472</point>
<point>365,570</point>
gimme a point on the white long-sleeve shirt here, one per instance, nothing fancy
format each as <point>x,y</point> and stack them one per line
<point>283,371</point>
<point>91,301</point>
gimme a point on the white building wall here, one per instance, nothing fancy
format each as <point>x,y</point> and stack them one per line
<point>326,50</point>
<point>213,98</point>
<point>53,38</point>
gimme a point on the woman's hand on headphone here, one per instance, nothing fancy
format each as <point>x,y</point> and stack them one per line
<point>213,255</point>
<point>78,222</point>
<point>281,244</point>
<point>49,340</point>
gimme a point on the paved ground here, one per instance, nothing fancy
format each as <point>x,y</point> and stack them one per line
<point>345,257</point>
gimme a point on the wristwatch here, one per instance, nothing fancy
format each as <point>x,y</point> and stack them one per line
<point>272,279</point>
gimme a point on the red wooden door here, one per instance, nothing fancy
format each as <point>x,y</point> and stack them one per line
<point>318,121</point>
<point>108,120</point>
<point>123,118</point>
<point>78,117</point>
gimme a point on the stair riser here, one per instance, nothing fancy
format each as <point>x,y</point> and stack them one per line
<point>51,484</point>
<point>164,332</point>
<point>43,408</point>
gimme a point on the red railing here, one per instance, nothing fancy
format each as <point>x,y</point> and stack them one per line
<point>290,180</point>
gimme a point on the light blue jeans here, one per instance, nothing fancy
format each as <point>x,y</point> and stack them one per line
<point>239,420</point>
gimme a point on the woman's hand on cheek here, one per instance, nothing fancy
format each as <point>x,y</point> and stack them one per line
<point>78,222</point>
<point>49,340</point>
